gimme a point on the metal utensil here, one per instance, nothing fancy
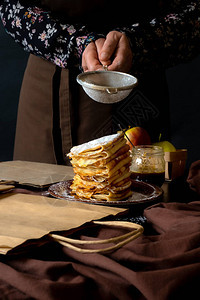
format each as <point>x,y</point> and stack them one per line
<point>107,86</point>
<point>124,132</point>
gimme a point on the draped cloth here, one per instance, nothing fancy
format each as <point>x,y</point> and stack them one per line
<point>163,263</point>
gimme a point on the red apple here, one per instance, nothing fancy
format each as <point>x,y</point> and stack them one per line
<point>137,136</point>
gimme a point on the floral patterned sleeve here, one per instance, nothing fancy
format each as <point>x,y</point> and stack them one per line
<point>167,40</point>
<point>161,42</point>
<point>40,34</point>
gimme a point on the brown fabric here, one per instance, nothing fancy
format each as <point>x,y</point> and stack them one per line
<point>54,114</point>
<point>33,139</point>
<point>164,263</point>
<point>96,119</point>
<point>64,111</point>
<point>43,132</point>
<point>193,178</point>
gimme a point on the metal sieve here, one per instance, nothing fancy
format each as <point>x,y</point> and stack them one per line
<point>107,86</point>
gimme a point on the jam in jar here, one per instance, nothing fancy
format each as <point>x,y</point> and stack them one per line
<point>148,164</point>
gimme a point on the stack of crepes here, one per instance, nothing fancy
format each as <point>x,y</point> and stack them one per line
<point>101,169</point>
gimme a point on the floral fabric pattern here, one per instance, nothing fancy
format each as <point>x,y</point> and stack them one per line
<point>167,40</point>
<point>160,42</point>
<point>38,33</point>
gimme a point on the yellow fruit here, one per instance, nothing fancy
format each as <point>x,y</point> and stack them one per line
<point>167,146</point>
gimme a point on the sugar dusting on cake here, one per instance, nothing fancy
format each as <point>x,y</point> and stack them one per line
<point>95,143</point>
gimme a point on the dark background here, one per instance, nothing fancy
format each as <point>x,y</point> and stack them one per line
<point>184,89</point>
<point>12,65</point>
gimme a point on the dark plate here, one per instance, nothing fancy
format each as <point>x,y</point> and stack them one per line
<point>142,194</point>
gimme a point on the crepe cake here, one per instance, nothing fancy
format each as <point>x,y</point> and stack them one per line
<point>101,169</point>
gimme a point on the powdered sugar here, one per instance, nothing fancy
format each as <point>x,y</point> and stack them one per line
<point>94,143</point>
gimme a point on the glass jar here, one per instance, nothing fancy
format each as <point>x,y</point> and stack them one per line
<point>148,164</point>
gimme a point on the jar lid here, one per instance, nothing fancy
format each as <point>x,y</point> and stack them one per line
<point>147,150</point>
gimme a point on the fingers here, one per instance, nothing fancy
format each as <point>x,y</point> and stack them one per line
<point>117,49</point>
<point>109,47</point>
<point>90,61</point>
<point>123,56</point>
<point>114,52</point>
<point>99,45</point>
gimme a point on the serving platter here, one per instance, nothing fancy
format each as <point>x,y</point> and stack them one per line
<point>142,193</point>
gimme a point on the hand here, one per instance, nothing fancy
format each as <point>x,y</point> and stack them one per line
<point>116,50</point>
<point>90,57</point>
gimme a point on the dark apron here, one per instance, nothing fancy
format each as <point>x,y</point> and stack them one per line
<point>51,116</point>
<point>55,113</point>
